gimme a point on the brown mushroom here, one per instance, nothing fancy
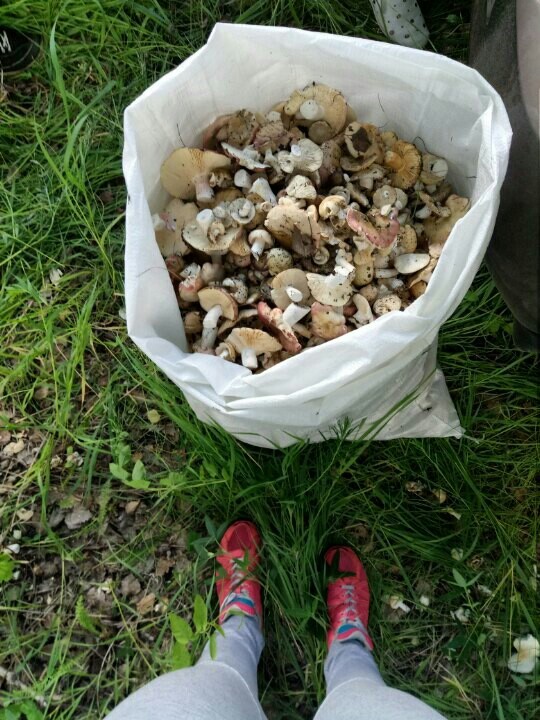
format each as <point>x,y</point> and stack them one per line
<point>290,286</point>
<point>284,220</point>
<point>404,161</point>
<point>364,143</point>
<point>250,343</point>
<point>321,106</point>
<point>186,171</point>
<point>437,229</point>
<point>217,303</point>
<point>175,216</point>
<point>327,322</point>
<point>277,260</point>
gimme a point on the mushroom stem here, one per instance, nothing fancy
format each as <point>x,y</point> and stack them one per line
<point>205,218</point>
<point>249,358</point>
<point>294,313</point>
<point>257,248</point>
<point>203,191</point>
<point>311,110</point>
<point>294,294</point>
<point>210,323</point>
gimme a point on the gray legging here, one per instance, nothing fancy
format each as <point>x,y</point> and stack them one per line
<point>226,688</point>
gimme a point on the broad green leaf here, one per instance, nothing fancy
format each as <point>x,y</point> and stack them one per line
<point>118,472</point>
<point>6,567</point>
<point>459,579</point>
<point>180,629</point>
<point>139,472</point>
<point>180,656</point>
<point>213,646</point>
<point>200,614</point>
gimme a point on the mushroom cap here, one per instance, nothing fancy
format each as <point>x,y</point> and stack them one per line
<point>273,319</point>
<point>277,260</point>
<point>183,165</point>
<point>385,195</point>
<point>211,296</point>
<point>289,278</point>
<point>438,229</point>
<point>405,161</point>
<point>283,220</point>
<point>247,157</point>
<point>240,245</point>
<point>170,241</point>
<point>326,323</point>
<point>301,187</point>
<point>257,340</point>
<point>363,141</point>
<point>197,238</point>
<point>434,169</point>
<point>331,101</point>
<point>331,205</point>
<point>327,292</point>
<point>387,303</point>
<point>308,159</point>
<point>409,263</point>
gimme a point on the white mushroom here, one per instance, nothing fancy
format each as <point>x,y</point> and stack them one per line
<point>242,211</point>
<point>259,239</point>
<point>411,262</point>
<point>247,157</point>
<point>261,187</point>
<point>363,314</point>
<point>334,290</point>
<point>294,313</point>
<point>242,179</point>
<point>304,156</point>
<point>302,188</point>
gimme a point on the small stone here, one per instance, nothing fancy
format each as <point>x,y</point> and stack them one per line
<point>130,586</point>
<point>131,506</point>
<point>14,548</point>
<point>41,392</point>
<point>5,437</point>
<point>17,534</point>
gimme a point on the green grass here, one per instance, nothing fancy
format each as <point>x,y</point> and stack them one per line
<point>71,381</point>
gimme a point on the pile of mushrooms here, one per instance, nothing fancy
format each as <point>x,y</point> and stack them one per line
<point>292,228</point>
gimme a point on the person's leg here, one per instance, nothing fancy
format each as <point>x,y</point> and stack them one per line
<point>355,688</point>
<point>224,688</point>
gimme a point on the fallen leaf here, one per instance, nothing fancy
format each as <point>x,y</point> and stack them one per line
<point>77,517</point>
<point>453,512</point>
<point>5,437</point>
<point>146,604</point>
<point>74,459</point>
<point>130,586</point>
<point>163,566</point>
<point>24,515</point>
<point>457,554</point>
<point>413,486</point>
<point>153,416</point>
<point>13,448</point>
<point>424,600</point>
<point>484,590</point>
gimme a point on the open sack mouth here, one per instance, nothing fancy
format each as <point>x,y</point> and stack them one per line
<point>295,226</point>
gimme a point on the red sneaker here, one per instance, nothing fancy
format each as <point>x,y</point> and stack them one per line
<point>238,591</point>
<point>348,599</point>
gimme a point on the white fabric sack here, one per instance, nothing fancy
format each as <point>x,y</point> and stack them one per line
<point>367,374</point>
